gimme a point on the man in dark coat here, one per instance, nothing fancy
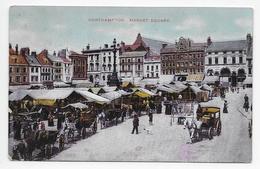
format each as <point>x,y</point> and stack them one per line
<point>135,124</point>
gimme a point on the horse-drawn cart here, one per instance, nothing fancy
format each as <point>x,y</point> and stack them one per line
<point>210,121</point>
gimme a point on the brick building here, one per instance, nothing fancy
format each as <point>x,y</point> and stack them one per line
<point>183,59</point>
<point>18,67</point>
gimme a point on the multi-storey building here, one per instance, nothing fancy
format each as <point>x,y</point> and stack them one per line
<point>46,68</point>
<point>80,66</point>
<point>182,59</point>
<point>34,69</point>
<point>249,57</point>
<point>228,60</point>
<point>138,60</point>
<point>152,67</point>
<point>67,67</point>
<point>18,67</point>
<point>57,65</point>
<point>100,63</point>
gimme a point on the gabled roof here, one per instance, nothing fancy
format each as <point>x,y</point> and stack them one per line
<point>32,60</point>
<point>227,46</point>
<point>134,54</point>
<point>154,45</point>
<point>17,60</point>
<point>54,58</point>
<point>42,58</point>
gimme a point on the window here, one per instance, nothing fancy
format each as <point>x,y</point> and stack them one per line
<point>104,78</point>
<point>123,67</point>
<point>164,72</point>
<point>147,75</point>
<point>209,53</point>
<point>17,70</point>
<point>15,60</point>
<point>138,67</point>
<point>225,60</point>
<point>216,53</point>
<point>224,52</point>
<point>109,59</point>
<point>233,60</point>
<point>250,70</point>
<point>104,59</point>
<point>240,60</point>
<point>216,61</point>
<point>233,51</point>
<point>138,60</point>
<point>32,70</point>
<point>128,67</point>
<point>36,69</point>
<point>157,74</point>
<point>210,61</point>
<point>147,67</point>
<point>157,67</point>
<point>128,60</point>
<point>17,79</point>
<point>152,68</point>
<point>10,79</point>
<point>10,69</point>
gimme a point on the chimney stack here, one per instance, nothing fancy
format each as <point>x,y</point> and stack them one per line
<point>209,42</point>
<point>16,49</point>
<point>164,45</point>
<point>106,46</point>
<point>88,47</point>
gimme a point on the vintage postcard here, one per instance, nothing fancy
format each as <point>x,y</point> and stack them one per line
<point>164,84</point>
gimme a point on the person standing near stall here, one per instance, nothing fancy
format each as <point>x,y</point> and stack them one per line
<point>135,124</point>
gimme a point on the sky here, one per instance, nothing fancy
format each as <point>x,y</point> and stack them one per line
<point>56,28</point>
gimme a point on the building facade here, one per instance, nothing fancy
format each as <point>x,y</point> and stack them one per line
<point>228,60</point>
<point>182,59</point>
<point>57,67</point>
<point>152,67</point>
<point>34,69</point>
<point>46,68</point>
<point>67,66</point>
<point>80,66</point>
<point>100,64</point>
<point>18,67</point>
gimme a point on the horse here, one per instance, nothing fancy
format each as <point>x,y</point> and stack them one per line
<point>194,129</point>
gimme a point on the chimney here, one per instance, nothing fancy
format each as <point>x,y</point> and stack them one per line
<point>209,42</point>
<point>16,49</point>
<point>33,53</point>
<point>25,51</point>
<point>88,47</point>
<point>106,46</point>
<point>164,45</point>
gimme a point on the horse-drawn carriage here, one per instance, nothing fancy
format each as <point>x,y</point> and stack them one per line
<point>208,124</point>
<point>87,123</point>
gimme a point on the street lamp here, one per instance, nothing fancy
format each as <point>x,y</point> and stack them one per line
<point>114,81</point>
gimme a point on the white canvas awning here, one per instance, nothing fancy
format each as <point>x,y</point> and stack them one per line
<point>78,105</point>
<point>92,97</point>
<point>112,95</point>
<point>210,79</point>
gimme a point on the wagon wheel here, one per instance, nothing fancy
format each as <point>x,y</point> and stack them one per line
<point>210,133</point>
<point>218,127</point>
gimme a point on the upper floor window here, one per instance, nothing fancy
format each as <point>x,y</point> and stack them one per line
<point>210,61</point>
<point>225,60</point>
<point>240,59</point>
<point>216,61</point>
<point>233,60</point>
<point>216,53</point>
<point>147,67</point>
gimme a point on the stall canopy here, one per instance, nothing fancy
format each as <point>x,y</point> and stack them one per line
<point>210,79</point>
<point>78,105</point>
<point>248,80</point>
<point>195,77</point>
<point>96,90</point>
<point>195,89</point>
<point>142,94</point>
<point>109,89</point>
<point>60,84</point>
<point>91,97</point>
<point>165,89</point>
<point>111,95</point>
<point>18,95</point>
<point>206,87</point>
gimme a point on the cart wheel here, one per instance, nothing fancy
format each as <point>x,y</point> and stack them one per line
<point>210,133</point>
<point>219,128</point>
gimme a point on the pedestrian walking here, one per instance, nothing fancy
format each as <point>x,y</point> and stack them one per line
<point>135,124</point>
<point>246,103</point>
<point>225,110</point>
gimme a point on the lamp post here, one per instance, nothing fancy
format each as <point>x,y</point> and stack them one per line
<point>114,81</point>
